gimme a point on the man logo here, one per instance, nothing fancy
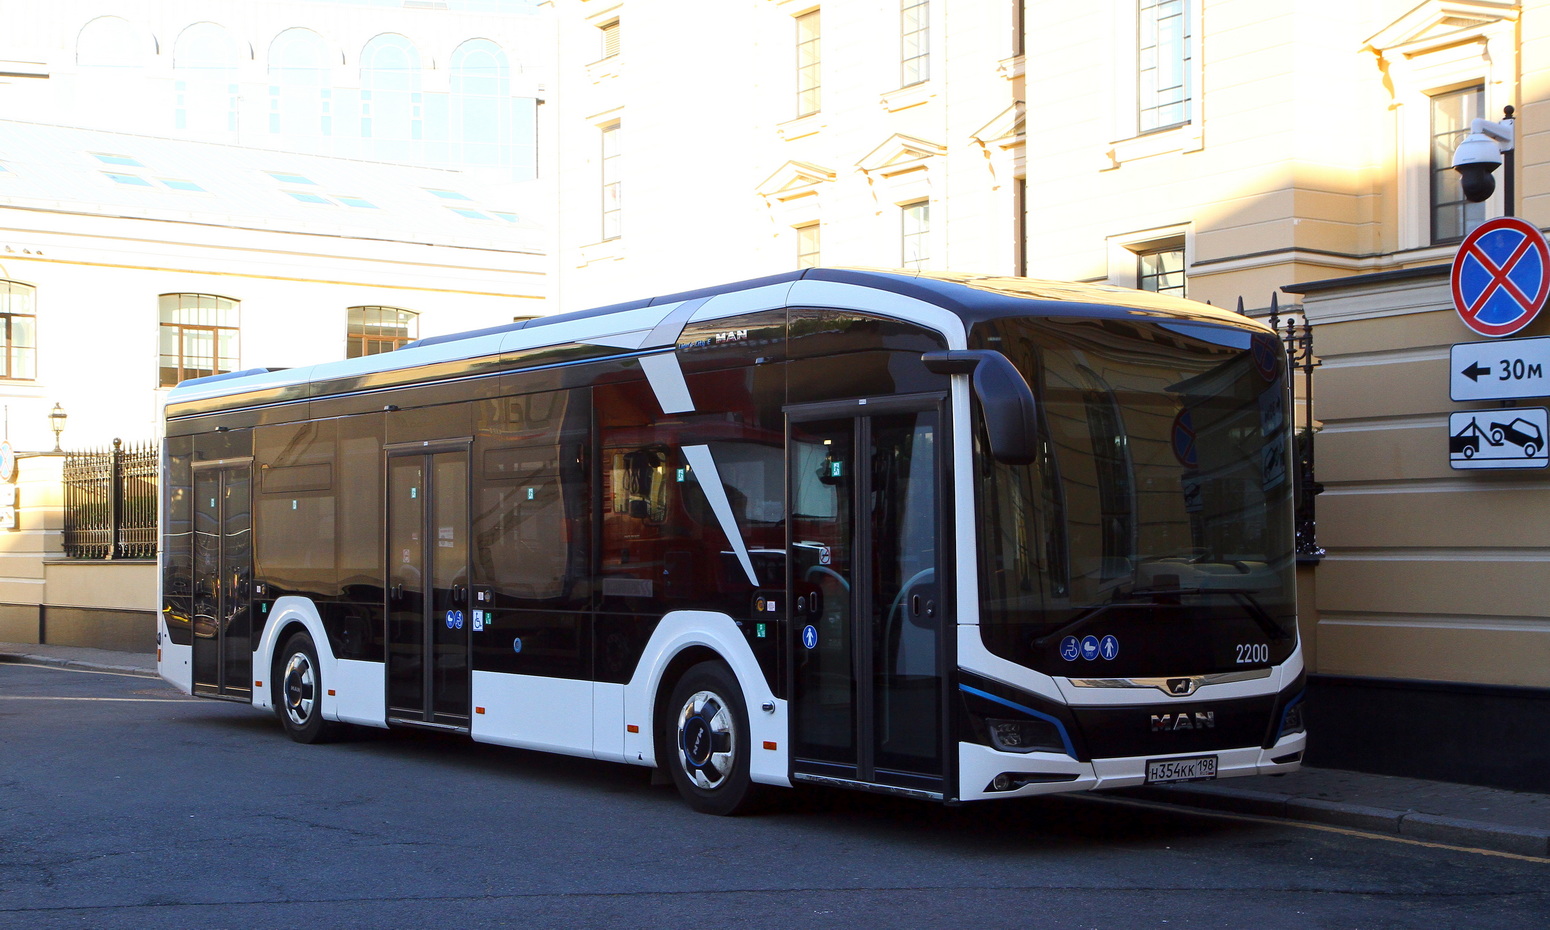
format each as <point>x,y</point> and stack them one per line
<point>1182,687</point>
<point>1202,720</point>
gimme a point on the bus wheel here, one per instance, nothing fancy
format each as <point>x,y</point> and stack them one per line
<point>707,733</point>
<point>298,698</point>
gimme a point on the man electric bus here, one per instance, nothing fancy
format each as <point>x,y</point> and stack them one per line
<point>943,536</point>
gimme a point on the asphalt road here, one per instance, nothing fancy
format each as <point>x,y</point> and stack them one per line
<point>124,804</point>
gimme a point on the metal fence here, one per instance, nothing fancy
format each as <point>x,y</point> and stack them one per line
<point>1297,339</point>
<point>110,502</point>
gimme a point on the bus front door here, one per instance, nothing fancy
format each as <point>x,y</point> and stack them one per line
<point>429,619</point>
<point>868,616</point>
<point>223,576</point>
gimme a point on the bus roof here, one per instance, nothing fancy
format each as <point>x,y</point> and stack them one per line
<point>948,303</point>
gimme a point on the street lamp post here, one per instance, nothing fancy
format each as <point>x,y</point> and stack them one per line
<point>56,422</point>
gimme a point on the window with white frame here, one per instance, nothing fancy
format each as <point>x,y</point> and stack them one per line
<point>610,35</point>
<point>915,235</point>
<point>809,75</point>
<point>914,42</point>
<point>807,245</point>
<point>1160,269</point>
<point>1444,64</point>
<point>374,330</point>
<point>198,336</point>
<point>18,331</point>
<point>1452,217</point>
<point>1163,73</point>
<point>612,194</point>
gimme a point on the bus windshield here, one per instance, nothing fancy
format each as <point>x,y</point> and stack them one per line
<point>1152,534</point>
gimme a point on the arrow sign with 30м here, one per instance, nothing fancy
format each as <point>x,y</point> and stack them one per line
<point>1502,369</point>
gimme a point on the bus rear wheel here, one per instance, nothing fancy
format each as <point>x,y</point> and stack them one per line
<point>705,732</point>
<point>298,693</point>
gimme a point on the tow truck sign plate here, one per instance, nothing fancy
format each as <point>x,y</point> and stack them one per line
<point>1502,369</point>
<point>1506,437</point>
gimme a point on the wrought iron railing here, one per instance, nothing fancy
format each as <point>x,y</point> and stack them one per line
<point>1296,334</point>
<point>110,502</point>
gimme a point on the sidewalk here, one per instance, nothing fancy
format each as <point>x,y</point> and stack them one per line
<point>1427,811</point>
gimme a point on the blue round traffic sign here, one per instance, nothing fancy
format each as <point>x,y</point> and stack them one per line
<point>1501,276</point>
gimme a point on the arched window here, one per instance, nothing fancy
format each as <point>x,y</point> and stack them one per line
<point>374,330</point>
<point>204,71</point>
<point>111,42</point>
<point>110,84</point>
<point>19,329</point>
<point>392,108</point>
<point>490,128</point>
<point>300,98</point>
<point>198,336</point>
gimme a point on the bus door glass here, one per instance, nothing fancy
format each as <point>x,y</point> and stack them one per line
<point>868,615</point>
<point>429,615</point>
<point>223,573</point>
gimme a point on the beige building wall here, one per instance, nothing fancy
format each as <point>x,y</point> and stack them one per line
<point>717,170</point>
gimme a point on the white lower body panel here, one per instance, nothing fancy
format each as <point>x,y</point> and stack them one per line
<point>979,765</point>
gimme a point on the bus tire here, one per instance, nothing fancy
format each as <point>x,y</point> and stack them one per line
<point>298,692</point>
<point>705,731</point>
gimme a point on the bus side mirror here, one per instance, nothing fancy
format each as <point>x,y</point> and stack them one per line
<point>1011,414</point>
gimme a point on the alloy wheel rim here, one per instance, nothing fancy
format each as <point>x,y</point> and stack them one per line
<point>707,747</point>
<point>299,689</point>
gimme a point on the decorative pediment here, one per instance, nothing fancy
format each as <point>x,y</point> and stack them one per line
<point>1006,130</point>
<point>794,179</point>
<point>1440,23</point>
<point>899,154</point>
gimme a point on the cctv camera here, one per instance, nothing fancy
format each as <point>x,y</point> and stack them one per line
<point>1477,181</point>
<point>1475,159</point>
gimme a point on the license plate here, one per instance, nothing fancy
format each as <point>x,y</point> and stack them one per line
<point>1164,771</point>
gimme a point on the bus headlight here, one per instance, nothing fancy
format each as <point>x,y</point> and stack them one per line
<point>1025,735</point>
<point>1291,718</point>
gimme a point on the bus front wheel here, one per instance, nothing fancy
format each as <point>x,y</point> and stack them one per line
<point>705,727</point>
<point>298,697</point>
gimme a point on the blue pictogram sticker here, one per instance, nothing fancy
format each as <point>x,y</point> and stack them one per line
<point>1109,647</point>
<point>516,644</point>
<point>1090,647</point>
<point>457,619</point>
<point>810,636</point>
<point>451,619</point>
<point>1070,649</point>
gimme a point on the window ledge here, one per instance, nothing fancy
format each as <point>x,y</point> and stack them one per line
<point>1012,68</point>
<point>906,97</point>
<point>608,250</point>
<point>1185,138</point>
<point>801,126</point>
<point>604,69</point>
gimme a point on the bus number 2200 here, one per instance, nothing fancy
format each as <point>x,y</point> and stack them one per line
<point>1253,652</point>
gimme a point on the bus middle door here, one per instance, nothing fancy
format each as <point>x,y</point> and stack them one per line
<point>428,607</point>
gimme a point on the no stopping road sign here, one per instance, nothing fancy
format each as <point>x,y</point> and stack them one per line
<point>1501,276</point>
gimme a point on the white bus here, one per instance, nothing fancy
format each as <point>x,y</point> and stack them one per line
<point>942,536</point>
